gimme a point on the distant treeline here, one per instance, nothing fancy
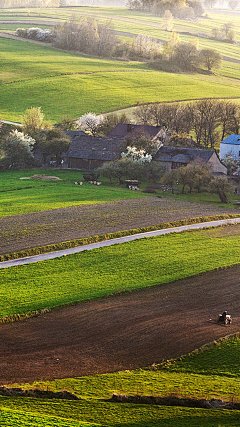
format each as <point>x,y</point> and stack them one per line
<point>181,9</point>
<point>35,3</point>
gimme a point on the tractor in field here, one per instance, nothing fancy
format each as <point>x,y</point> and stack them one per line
<point>224,318</point>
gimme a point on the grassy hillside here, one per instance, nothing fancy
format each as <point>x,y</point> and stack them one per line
<point>56,282</point>
<point>57,81</point>
<point>129,20</point>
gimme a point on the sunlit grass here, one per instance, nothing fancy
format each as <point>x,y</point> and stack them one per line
<point>75,278</point>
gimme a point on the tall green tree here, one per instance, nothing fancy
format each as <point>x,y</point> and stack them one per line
<point>210,58</point>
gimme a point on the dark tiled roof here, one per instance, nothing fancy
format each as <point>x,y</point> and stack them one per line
<point>182,155</point>
<point>74,133</point>
<point>123,130</point>
<point>95,148</point>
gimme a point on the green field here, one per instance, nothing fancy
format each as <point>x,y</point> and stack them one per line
<point>25,412</point>
<point>20,196</point>
<point>59,83</point>
<point>74,278</point>
<point>198,374</point>
<point>213,382</point>
<point>63,83</point>
<point>125,20</point>
<point>31,195</point>
<point>56,80</point>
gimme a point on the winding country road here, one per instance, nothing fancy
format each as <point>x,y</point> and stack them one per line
<point>64,252</point>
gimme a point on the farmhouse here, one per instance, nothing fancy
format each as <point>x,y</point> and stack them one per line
<point>175,157</point>
<point>230,145</point>
<point>89,152</point>
<point>130,131</point>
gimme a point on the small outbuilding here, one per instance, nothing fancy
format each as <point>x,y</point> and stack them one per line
<point>230,145</point>
<point>175,157</point>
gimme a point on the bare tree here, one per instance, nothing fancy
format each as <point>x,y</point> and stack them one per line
<point>228,31</point>
<point>229,118</point>
<point>143,114</point>
<point>233,4</point>
<point>204,117</point>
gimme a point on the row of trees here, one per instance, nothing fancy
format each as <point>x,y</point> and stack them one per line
<point>91,37</point>
<point>232,4</point>
<point>226,32</point>
<point>86,35</point>
<point>130,169</point>
<point>208,120</point>
<point>34,3</point>
<point>183,9</point>
<point>199,176</point>
<point>177,56</point>
<point>193,176</point>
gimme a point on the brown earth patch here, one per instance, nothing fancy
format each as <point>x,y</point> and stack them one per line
<point>43,178</point>
<point>121,332</point>
<point>36,229</point>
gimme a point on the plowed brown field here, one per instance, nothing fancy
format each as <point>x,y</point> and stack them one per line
<point>42,228</point>
<point>121,332</point>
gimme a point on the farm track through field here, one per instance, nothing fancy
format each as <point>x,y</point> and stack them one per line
<point>36,229</point>
<point>125,331</point>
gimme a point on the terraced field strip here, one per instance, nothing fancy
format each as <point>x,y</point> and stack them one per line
<point>57,254</point>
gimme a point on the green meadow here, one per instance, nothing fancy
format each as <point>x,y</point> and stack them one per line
<point>26,412</point>
<point>214,382</point>
<point>19,196</point>
<point>74,278</point>
<point>126,20</point>
<point>69,84</point>
<point>63,83</point>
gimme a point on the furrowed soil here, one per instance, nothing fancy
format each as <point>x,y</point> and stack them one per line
<point>125,331</point>
<point>36,229</point>
<point>121,332</point>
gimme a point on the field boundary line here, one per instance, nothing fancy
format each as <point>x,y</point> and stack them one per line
<point>119,240</point>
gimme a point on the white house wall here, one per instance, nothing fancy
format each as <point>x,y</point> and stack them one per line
<point>232,149</point>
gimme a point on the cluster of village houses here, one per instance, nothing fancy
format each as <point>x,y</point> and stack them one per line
<point>89,152</point>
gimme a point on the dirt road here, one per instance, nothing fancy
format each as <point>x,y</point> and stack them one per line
<point>121,332</point>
